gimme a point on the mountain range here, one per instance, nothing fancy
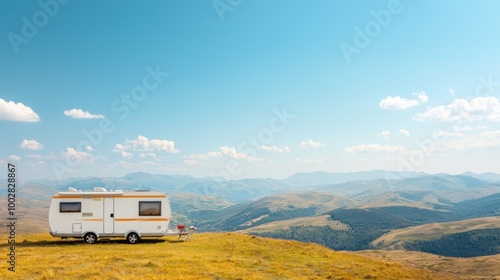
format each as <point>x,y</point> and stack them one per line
<point>348,184</point>
<point>355,208</point>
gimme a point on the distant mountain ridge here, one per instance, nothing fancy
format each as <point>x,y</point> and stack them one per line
<point>362,186</point>
<point>487,176</point>
<point>327,178</point>
<point>249,189</point>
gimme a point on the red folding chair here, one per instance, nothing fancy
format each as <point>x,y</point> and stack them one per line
<point>183,234</point>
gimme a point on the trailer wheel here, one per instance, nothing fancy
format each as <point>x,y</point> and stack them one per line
<point>132,238</point>
<point>90,238</point>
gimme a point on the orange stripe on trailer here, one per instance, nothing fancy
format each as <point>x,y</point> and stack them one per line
<point>67,196</point>
<point>93,220</point>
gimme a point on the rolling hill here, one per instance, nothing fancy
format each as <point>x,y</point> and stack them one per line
<point>395,238</point>
<point>466,244</point>
<point>268,209</point>
<point>318,221</point>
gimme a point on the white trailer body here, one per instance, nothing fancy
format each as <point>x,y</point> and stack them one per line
<point>99,213</point>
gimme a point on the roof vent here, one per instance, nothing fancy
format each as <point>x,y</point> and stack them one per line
<point>99,189</point>
<point>70,189</point>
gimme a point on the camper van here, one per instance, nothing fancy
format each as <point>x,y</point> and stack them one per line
<point>103,214</point>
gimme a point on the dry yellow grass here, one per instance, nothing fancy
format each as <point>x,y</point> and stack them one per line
<point>208,256</point>
<point>486,267</point>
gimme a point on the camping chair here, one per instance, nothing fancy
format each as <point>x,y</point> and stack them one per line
<point>183,234</point>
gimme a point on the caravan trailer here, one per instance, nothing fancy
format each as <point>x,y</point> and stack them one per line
<point>103,214</point>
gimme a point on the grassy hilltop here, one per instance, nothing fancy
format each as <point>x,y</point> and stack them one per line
<point>208,256</point>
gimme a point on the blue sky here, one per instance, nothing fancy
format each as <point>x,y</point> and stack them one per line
<point>239,88</point>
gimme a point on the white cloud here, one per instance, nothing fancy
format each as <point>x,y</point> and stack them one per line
<point>14,158</point>
<point>193,162</point>
<point>374,148</point>
<point>311,144</point>
<point>143,144</point>
<point>467,127</point>
<point>276,149</point>
<point>224,152</point>
<point>31,145</point>
<point>89,149</point>
<point>126,154</point>
<point>457,141</point>
<point>12,111</point>
<point>421,96</point>
<point>443,134</point>
<point>80,114</point>
<point>73,155</point>
<point>205,156</point>
<point>145,155</point>
<point>197,159</point>
<point>404,132</point>
<point>479,108</point>
<point>122,150</point>
<point>309,161</point>
<point>232,153</point>
<point>385,135</point>
<point>399,103</point>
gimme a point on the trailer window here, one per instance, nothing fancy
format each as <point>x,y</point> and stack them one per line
<point>149,208</point>
<point>70,207</point>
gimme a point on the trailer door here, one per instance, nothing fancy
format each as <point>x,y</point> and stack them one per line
<point>109,219</point>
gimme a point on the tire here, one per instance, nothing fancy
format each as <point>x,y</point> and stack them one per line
<point>90,238</point>
<point>132,238</point>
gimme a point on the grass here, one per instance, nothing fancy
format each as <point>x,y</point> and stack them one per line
<point>207,256</point>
